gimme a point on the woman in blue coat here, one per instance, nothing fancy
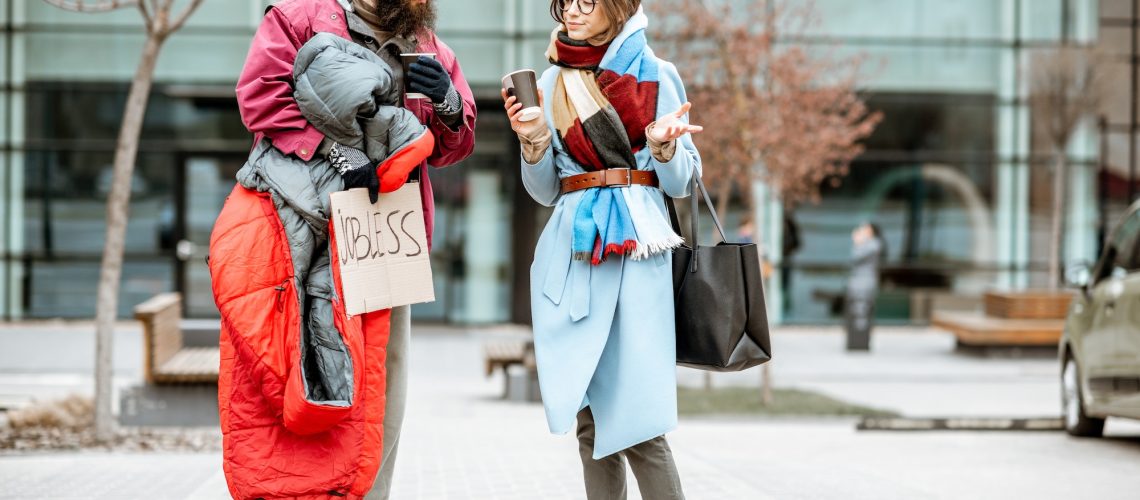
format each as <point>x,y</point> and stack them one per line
<point>615,141</point>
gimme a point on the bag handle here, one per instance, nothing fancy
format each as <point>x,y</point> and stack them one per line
<point>698,184</point>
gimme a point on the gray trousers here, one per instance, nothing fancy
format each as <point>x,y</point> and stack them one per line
<point>399,337</point>
<point>651,461</point>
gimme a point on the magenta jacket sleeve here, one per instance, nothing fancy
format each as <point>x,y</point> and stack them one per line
<point>451,146</point>
<point>265,89</point>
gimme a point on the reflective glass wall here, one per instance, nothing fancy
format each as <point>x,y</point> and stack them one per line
<point>63,81</point>
<point>955,174</point>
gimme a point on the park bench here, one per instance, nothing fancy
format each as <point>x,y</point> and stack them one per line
<point>1009,320</point>
<point>166,359</point>
<point>503,354</point>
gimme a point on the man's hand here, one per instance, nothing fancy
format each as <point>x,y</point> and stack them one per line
<point>356,169</point>
<point>428,77</point>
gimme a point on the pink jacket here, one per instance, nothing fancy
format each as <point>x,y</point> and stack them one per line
<point>265,89</point>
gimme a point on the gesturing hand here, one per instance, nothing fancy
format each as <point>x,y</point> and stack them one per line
<point>669,127</point>
<point>514,109</point>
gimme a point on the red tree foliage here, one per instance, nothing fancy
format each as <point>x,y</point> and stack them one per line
<point>773,109</point>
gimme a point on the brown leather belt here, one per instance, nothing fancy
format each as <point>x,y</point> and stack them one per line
<point>609,178</point>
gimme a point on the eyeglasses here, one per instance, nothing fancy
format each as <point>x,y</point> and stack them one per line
<point>586,7</point>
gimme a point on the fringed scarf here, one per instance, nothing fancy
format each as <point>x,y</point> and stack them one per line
<point>601,111</point>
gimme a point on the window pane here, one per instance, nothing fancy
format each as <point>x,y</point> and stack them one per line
<point>93,112</point>
<point>908,19</point>
<point>68,289</point>
<point>927,181</point>
<point>65,198</point>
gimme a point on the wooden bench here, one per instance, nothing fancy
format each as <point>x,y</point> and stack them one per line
<point>503,354</point>
<point>1028,305</point>
<point>977,329</point>
<point>166,359</point>
<point>1012,319</point>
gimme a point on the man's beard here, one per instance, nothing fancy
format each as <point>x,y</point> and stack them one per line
<point>404,18</point>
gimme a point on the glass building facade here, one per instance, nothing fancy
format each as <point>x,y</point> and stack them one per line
<point>955,174</point>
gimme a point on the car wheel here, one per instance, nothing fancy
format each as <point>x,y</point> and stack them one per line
<point>1077,423</point>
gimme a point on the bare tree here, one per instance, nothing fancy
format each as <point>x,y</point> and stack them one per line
<point>160,21</point>
<point>780,111</point>
<point>776,110</point>
<point>1066,85</point>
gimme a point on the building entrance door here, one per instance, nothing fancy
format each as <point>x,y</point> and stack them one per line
<point>205,180</point>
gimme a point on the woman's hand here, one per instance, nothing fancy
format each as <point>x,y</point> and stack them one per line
<point>670,127</point>
<point>514,109</point>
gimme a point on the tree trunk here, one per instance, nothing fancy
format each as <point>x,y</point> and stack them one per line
<point>723,196</point>
<point>757,224</point>
<point>118,204</point>
<point>766,384</point>
<point>1055,241</point>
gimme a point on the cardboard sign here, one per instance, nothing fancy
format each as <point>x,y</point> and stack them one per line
<point>382,249</point>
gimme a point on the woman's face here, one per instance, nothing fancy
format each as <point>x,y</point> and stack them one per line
<point>581,26</point>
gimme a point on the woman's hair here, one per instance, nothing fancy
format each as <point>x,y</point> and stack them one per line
<point>617,12</point>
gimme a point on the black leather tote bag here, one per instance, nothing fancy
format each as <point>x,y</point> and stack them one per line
<point>722,324</point>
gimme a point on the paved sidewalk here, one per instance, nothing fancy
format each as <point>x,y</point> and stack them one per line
<point>462,442</point>
<point>914,371</point>
<point>52,359</point>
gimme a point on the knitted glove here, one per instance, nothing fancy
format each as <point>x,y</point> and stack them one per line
<point>356,169</point>
<point>428,77</point>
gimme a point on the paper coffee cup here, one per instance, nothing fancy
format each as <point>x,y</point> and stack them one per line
<point>523,85</point>
<point>406,60</point>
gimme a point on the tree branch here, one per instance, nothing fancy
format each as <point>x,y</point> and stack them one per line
<point>181,20</point>
<point>82,6</point>
<point>145,11</point>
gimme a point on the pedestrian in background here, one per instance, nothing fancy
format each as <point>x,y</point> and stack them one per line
<point>615,141</point>
<point>868,252</point>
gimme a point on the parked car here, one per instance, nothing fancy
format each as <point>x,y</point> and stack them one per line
<point>1100,347</point>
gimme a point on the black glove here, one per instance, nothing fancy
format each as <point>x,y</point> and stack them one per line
<point>428,77</point>
<point>355,169</point>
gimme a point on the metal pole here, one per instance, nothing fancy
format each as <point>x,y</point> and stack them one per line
<point>8,151</point>
<point>1132,125</point>
<point>1102,185</point>
<point>1065,21</point>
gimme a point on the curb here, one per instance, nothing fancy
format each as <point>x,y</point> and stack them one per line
<point>961,424</point>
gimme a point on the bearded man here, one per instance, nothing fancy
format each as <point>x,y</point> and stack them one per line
<point>388,28</point>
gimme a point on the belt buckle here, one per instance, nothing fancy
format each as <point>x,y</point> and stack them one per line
<point>628,177</point>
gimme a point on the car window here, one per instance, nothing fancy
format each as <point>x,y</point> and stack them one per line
<point>1122,254</point>
<point>1128,251</point>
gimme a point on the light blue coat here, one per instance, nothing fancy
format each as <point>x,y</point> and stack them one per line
<point>604,335</point>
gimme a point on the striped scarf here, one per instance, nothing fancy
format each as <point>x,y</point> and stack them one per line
<point>601,113</point>
<point>601,107</point>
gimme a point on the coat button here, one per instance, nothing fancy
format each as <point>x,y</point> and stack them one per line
<point>334,17</point>
<point>304,152</point>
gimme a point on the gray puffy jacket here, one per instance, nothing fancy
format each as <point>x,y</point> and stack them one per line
<point>348,93</point>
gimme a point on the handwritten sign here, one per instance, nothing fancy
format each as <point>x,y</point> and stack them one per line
<point>382,249</point>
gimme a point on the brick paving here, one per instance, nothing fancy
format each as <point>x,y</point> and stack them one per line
<point>462,442</point>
